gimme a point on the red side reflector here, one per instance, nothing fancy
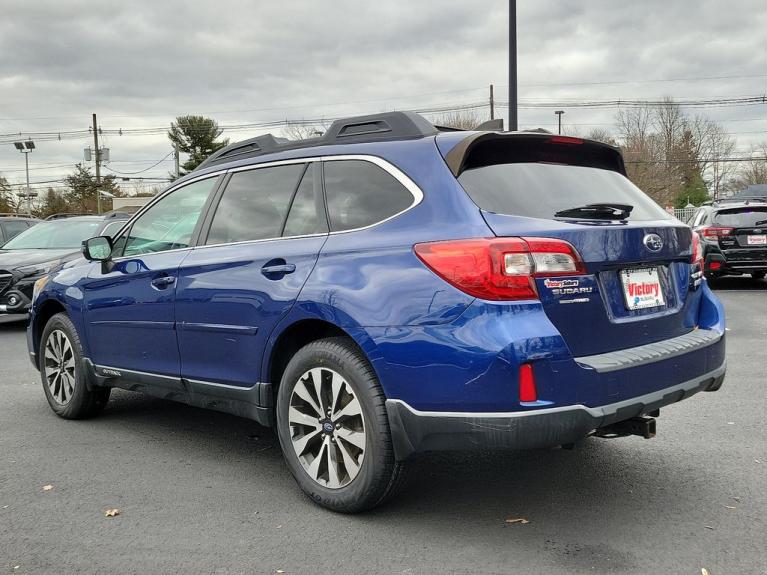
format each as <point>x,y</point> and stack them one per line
<point>564,140</point>
<point>714,265</point>
<point>527,390</point>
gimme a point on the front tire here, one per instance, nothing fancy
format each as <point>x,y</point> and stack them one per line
<point>333,428</point>
<point>758,275</point>
<point>62,374</point>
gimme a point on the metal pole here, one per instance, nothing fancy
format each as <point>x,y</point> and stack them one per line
<point>513,122</point>
<point>29,197</point>
<point>492,104</point>
<point>559,117</point>
<point>175,159</point>
<point>98,164</point>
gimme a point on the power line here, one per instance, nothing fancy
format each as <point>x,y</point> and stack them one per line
<point>140,171</point>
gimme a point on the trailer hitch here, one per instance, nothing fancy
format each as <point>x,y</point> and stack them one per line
<point>641,426</point>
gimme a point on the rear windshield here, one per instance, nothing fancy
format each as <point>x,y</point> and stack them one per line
<point>742,218</point>
<point>537,190</point>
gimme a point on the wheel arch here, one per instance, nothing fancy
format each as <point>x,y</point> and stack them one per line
<point>44,312</point>
<point>293,335</point>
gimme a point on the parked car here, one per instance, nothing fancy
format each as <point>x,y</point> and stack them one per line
<point>385,290</point>
<point>37,250</point>
<point>12,225</point>
<point>734,234</point>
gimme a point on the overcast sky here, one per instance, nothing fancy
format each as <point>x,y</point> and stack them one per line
<point>143,62</point>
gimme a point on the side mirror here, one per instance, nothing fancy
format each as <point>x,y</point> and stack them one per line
<point>98,249</point>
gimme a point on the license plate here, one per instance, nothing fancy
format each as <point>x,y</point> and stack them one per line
<point>757,240</point>
<point>642,288</point>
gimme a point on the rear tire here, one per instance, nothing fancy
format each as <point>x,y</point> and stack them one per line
<point>333,428</point>
<point>64,379</point>
<point>758,275</point>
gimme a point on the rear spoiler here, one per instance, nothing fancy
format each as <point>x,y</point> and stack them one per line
<point>489,148</point>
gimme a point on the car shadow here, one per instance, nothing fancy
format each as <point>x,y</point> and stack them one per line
<point>601,484</point>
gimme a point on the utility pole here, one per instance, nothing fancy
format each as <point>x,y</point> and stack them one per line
<point>98,164</point>
<point>492,104</point>
<point>559,117</point>
<point>175,159</point>
<point>513,121</point>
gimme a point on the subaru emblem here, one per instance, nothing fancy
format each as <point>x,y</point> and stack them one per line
<point>653,242</point>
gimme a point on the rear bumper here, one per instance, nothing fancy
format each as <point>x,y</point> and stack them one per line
<point>416,431</point>
<point>736,261</point>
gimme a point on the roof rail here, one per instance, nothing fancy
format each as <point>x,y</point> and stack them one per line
<point>740,200</point>
<point>64,215</point>
<point>15,215</point>
<point>355,130</point>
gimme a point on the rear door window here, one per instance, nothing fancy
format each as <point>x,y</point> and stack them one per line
<point>742,217</point>
<point>538,190</point>
<point>360,194</point>
<point>254,204</point>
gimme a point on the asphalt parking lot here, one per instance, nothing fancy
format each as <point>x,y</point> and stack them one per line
<point>201,492</point>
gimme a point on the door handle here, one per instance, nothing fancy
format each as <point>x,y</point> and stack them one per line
<point>278,269</point>
<point>163,282</point>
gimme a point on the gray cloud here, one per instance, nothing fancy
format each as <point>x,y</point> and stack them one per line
<point>142,63</point>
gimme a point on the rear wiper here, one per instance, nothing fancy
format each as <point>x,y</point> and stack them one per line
<point>760,223</point>
<point>597,212</point>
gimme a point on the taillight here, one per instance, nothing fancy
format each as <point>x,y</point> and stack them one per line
<point>500,269</point>
<point>697,250</point>
<point>712,233</point>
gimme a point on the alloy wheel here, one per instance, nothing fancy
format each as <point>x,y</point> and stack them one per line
<point>59,364</point>
<point>327,427</point>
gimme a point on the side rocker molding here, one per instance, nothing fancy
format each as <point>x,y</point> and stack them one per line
<point>249,402</point>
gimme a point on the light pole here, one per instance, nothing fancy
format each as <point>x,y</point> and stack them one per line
<point>513,120</point>
<point>559,117</point>
<point>26,148</point>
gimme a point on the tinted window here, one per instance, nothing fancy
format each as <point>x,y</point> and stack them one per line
<point>540,190</point>
<point>57,234</point>
<point>742,218</point>
<point>360,194</point>
<point>254,204</point>
<point>13,228</point>
<point>168,224</point>
<point>304,218</point>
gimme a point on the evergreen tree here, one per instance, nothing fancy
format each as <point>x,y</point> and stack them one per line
<point>195,136</point>
<point>81,195</point>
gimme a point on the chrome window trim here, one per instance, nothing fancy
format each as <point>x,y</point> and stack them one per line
<point>385,165</point>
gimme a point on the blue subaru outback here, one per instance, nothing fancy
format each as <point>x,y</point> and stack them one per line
<point>388,289</point>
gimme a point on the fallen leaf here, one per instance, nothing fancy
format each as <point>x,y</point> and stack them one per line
<point>730,423</point>
<point>47,487</point>
<point>520,520</point>
<point>280,571</point>
<point>703,571</point>
<point>729,507</point>
<point>279,527</point>
<point>112,512</point>
<point>737,499</point>
<point>708,527</point>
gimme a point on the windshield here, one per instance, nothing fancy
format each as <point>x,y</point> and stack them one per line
<point>537,190</point>
<point>61,234</point>
<point>742,218</point>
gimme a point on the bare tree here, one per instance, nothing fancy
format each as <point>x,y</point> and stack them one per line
<point>461,119</point>
<point>753,171</point>
<point>304,131</point>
